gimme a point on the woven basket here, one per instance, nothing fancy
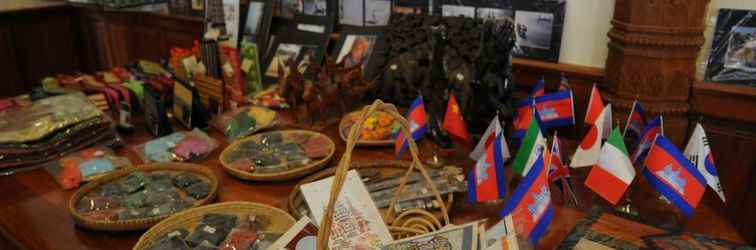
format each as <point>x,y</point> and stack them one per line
<point>138,224</point>
<point>349,120</point>
<point>279,220</point>
<point>407,223</point>
<point>281,176</point>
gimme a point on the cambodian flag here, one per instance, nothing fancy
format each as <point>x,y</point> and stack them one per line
<point>647,139</point>
<point>418,125</point>
<point>522,120</point>
<point>636,121</point>
<point>555,109</point>
<point>530,204</point>
<point>486,181</point>
<point>674,176</point>
<point>539,89</point>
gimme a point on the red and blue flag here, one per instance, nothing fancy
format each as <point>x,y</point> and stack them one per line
<point>539,89</point>
<point>530,204</point>
<point>636,121</point>
<point>555,109</point>
<point>674,176</point>
<point>418,125</point>
<point>486,181</point>
<point>564,84</point>
<point>523,117</point>
<point>653,128</point>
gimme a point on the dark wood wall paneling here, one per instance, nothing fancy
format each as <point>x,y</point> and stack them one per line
<point>36,44</point>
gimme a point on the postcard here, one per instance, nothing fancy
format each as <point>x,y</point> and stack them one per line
<point>464,237</point>
<point>357,223</point>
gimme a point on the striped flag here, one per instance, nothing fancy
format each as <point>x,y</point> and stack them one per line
<point>673,175</point>
<point>530,204</point>
<point>595,106</point>
<point>486,182</point>
<point>418,125</point>
<point>614,172</point>
<point>532,145</point>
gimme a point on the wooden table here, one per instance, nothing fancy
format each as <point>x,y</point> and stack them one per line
<point>33,212</point>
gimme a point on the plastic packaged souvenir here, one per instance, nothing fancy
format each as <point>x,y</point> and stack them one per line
<point>19,125</point>
<point>245,121</point>
<point>177,147</point>
<point>86,165</point>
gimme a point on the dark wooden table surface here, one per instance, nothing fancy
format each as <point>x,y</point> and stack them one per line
<point>33,212</point>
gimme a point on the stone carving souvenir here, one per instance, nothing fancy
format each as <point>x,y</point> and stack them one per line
<point>213,228</point>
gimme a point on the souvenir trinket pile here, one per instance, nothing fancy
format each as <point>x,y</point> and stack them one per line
<point>86,165</point>
<point>219,231</point>
<point>276,152</point>
<point>194,145</point>
<point>50,128</point>
<point>143,195</point>
<point>379,127</point>
<point>245,121</point>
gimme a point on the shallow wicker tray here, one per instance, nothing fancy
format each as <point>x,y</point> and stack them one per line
<point>281,176</point>
<point>348,120</point>
<point>386,167</point>
<point>138,224</point>
<point>279,220</point>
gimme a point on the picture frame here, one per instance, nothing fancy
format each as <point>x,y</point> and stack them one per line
<point>539,23</point>
<point>732,58</point>
<point>355,14</point>
<point>257,27</point>
<point>368,43</point>
<point>284,49</point>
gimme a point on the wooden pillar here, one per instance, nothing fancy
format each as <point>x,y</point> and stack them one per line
<point>652,53</point>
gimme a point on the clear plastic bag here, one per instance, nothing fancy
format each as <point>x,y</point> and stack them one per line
<point>243,122</point>
<point>85,165</point>
<point>192,146</point>
<point>732,58</point>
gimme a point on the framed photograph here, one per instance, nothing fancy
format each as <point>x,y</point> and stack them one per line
<point>257,22</point>
<point>291,49</point>
<point>356,49</point>
<point>457,11</point>
<point>231,18</point>
<point>732,58</point>
<point>494,13</point>
<point>377,12</point>
<point>290,8</point>
<point>533,29</point>
<point>315,7</point>
<point>351,12</point>
<point>283,53</point>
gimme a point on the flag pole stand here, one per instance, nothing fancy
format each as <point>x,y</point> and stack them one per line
<point>435,161</point>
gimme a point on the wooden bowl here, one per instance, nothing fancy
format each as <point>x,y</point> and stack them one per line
<point>278,176</point>
<point>143,223</point>
<point>296,201</point>
<point>346,123</point>
<point>279,220</point>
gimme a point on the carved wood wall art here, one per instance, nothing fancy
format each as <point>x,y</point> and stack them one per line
<point>652,52</point>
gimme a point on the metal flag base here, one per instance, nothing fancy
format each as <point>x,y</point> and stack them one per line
<point>628,208</point>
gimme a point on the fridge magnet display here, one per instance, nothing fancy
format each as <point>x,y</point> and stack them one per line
<point>733,49</point>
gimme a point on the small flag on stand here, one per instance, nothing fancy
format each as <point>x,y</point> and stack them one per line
<point>418,125</point>
<point>539,89</point>
<point>486,182</point>
<point>614,172</point>
<point>595,106</point>
<point>587,153</point>
<point>555,109</point>
<point>655,127</point>
<point>699,152</point>
<point>559,173</point>
<point>564,84</point>
<point>532,145</point>
<point>525,114</point>
<point>673,175</point>
<point>530,204</point>
<point>494,129</point>
<point>454,123</point>
<point>636,121</point>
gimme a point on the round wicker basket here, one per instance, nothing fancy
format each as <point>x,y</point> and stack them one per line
<point>280,176</point>
<point>279,220</point>
<point>138,224</point>
<point>348,121</point>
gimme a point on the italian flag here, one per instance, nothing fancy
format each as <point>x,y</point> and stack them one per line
<point>529,149</point>
<point>587,153</point>
<point>614,172</point>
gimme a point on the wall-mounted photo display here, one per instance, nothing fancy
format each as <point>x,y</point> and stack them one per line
<point>315,7</point>
<point>257,22</point>
<point>538,23</point>
<point>359,47</point>
<point>732,58</point>
<point>364,13</point>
